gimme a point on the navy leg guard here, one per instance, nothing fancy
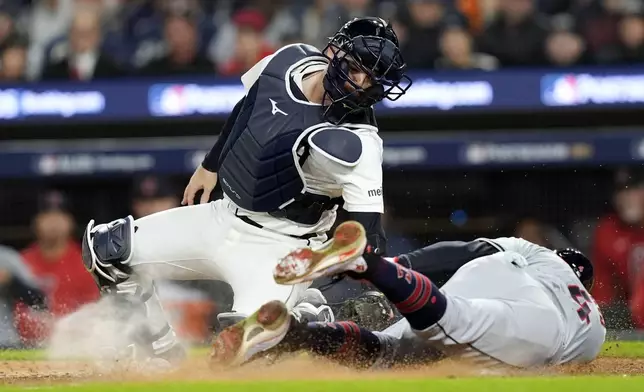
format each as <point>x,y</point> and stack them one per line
<point>107,251</point>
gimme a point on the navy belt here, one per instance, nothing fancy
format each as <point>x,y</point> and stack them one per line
<point>253,223</point>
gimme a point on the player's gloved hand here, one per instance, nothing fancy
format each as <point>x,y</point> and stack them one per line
<point>201,179</point>
<point>371,310</point>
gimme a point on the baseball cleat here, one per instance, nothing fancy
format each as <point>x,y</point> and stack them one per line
<point>341,254</point>
<point>261,331</point>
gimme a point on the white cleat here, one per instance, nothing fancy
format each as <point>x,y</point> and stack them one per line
<point>341,254</point>
<point>259,332</point>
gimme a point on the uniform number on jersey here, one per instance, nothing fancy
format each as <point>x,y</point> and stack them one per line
<point>584,300</point>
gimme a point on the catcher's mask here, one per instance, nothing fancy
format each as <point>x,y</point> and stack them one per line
<point>367,45</point>
<point>580,264</point>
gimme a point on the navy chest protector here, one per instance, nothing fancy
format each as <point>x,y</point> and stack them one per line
<point>260,164</point>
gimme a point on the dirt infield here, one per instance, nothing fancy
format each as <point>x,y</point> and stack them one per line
<point>100,330</point>
<point>37,372</point>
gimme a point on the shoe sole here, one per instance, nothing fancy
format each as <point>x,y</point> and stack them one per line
<point>261,331</point>
<point>304,265</point>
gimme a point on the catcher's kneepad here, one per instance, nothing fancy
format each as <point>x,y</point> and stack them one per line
<point>370,310</point>
<point>107,251</point>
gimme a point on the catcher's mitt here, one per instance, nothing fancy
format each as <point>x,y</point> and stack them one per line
<point>370,310</point>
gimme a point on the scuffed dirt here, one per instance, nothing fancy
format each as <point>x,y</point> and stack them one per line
<point>301,368</point>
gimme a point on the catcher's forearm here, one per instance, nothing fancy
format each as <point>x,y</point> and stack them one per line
<point>372,222</point>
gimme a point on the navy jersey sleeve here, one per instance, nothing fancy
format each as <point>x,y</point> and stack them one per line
<point>440,261</point>
<point>211,160</point>
<point>372,222</point>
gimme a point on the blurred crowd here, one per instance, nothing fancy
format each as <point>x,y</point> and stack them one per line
<point>92,39</point>
<point>618,250</point>
<point>46,280</point>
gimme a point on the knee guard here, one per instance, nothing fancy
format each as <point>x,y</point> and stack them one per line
<point>107,251</point>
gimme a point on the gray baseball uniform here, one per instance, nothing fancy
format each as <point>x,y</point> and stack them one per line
<point>522,306</point>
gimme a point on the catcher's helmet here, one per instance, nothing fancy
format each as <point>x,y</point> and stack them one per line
<point>369,45</point>
<point>580,264</point>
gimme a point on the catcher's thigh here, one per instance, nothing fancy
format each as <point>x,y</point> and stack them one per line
<point>497,312</point>
<point>208,241</point>
<point>180,243</point>
<point>249,255</point>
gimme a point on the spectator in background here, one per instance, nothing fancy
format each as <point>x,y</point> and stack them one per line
<point>292,39</point>
<point>109,8</point>
<point>281,24</point>
<point>599,23</point>
<point>183,55</point>
<point>401,30</point>
<point>422,26</point>
<point>541,233</point>
<point>517,35</point>
<point>457,52</point>
<point>250,45</point>
<point>554,7</point>
<point>151,195</point>
<point>618,253</point>
<point>531,229</point>
<point>350,9</point>
<point>55,257</point>
<point>564,46</point>
<point>318,22</point>
<point>565,49</point>
<point>474,11</point>
<point>631,36</point>
<point>13,59</point>
<point>143,27</point>
<point>17,285</point>
<point>8,14</point>
<point>46,20</point>
<point>84,59</point>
